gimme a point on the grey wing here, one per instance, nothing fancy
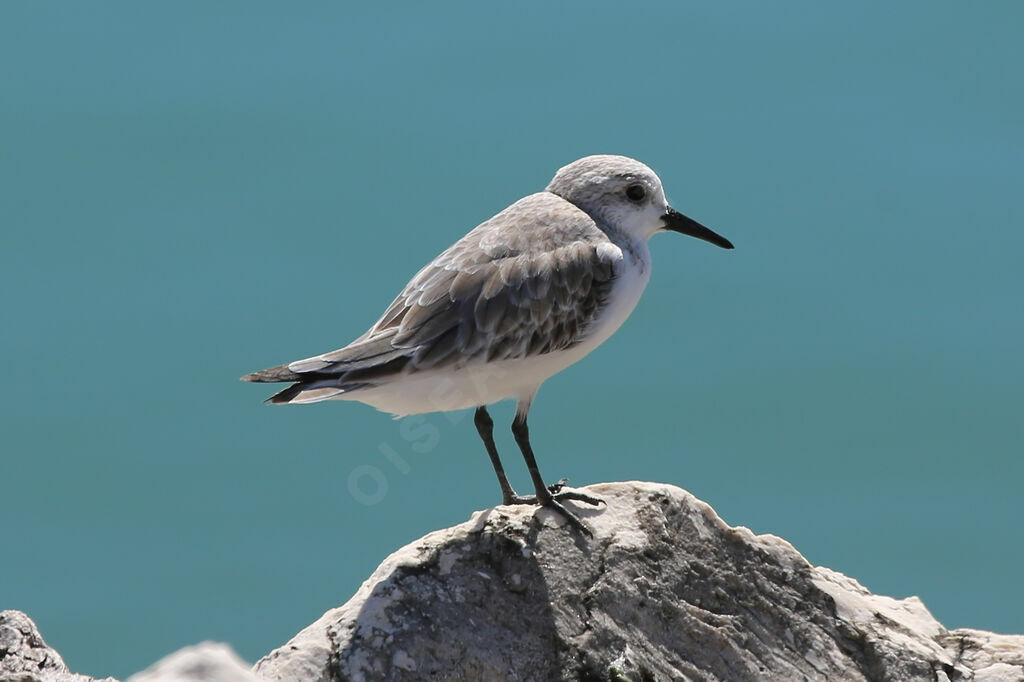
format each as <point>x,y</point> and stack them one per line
<point>484,299</point>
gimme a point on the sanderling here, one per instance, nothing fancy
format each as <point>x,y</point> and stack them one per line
<point>515,301</point>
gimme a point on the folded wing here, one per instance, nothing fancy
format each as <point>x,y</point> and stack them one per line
<point>527,282</point>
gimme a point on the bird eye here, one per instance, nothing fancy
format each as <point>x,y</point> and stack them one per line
<point>636,192</point>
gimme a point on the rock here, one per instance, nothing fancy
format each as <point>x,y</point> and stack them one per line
<point>664,591</point>
<point>206,662</point>
<point>25,657</point>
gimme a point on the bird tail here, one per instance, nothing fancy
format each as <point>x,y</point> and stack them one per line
<point>309,387</point>
<point>274,375</point>
<point>305,392</point>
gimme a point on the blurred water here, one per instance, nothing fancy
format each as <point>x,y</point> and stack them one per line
<point>194,191</point>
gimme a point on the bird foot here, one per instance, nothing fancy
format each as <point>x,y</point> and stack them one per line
<point>551,500</point>
<point>556,488</point>
<point>556,492</point>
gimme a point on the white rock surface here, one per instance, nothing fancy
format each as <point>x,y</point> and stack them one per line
<point>665,590</point>
<point>205,662</point>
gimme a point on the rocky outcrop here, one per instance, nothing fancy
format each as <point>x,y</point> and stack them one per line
<point>25,657</point>
<point>665,590</point>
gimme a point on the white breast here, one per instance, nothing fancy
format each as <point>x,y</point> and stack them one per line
<point>633,273</point>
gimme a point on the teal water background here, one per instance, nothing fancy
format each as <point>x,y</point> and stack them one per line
<point>190,191</point>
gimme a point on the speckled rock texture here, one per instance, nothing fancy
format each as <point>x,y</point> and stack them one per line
<point>25,657</point>
<point>665,590</point>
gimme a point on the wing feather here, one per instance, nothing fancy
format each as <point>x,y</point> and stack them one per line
<point>527,282</point>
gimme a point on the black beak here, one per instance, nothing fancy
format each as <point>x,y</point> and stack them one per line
<point>677,222</point>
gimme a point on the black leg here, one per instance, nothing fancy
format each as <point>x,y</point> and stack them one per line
<point>485,427</point>
<point>521,431</point>
<point>548,497</point>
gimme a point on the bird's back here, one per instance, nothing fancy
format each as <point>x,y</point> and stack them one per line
<point>530,281</point>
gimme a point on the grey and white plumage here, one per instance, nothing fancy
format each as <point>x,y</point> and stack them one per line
<point>516,300</point>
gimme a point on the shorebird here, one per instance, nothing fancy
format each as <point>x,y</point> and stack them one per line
<point>518,299</point>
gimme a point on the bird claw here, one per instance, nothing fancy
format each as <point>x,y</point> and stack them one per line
<point>570,517</point>
<point>552,501</point>
<point>579,497</point>
<point>556,488</point>
<point>556,491</point>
